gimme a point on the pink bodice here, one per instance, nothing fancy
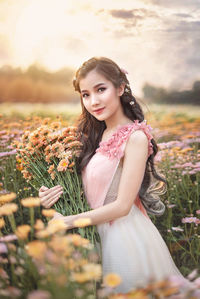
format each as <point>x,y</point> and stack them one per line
<point>98,174</point>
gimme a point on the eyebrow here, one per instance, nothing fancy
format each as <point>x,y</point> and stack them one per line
<point>94,86</point>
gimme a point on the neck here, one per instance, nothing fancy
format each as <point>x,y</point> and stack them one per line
<point>116,120</point>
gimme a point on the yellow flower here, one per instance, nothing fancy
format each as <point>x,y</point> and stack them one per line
<point>2,222</point>
<point>62,166</point>
<point>39,224</point>
<point>7,197</point>
<point>48,212</point>
<point>185,150</point>
<point>112,280</point>
<point>8,209</point>
<point>22,231</point>
<point>94,271</point>
<point>31,202</point>
<point>82,222</point>
<point>36,249</point>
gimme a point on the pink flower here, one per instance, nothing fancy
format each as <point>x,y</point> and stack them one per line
<point>3,248</point>
<point>39,294</point>
<point>190,220</point>
<point>197,282</point>
<point>177,229</point>
<point>198,212</point>
<point>176,280</point>
<point>171,206</point>
<point>8,238</point>
<point>193,274</point>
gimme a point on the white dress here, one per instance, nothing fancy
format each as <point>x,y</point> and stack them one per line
<point>131,246</point>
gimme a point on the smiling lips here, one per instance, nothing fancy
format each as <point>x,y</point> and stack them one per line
<point>99,110</point>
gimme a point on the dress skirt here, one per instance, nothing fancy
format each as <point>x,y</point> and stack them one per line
<point>133,248</point>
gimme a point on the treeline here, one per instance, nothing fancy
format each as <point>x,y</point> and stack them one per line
<point>162,96</point>
<point>36,85</point>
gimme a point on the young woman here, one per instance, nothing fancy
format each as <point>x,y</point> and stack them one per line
<point>117,168</point>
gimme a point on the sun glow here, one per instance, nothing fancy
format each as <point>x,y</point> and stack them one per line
<point>46,30</point>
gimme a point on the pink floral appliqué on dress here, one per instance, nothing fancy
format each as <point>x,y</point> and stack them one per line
<point>113,146</point>
<point>99,172</point>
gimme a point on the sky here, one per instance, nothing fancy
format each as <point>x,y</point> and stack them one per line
<point>156,41</point>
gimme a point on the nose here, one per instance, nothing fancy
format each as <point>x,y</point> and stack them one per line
<point>94,100</point>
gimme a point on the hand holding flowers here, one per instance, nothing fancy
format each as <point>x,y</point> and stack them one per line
<point>47,157</point>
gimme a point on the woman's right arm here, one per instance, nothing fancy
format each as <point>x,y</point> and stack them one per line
<point>48,196</point>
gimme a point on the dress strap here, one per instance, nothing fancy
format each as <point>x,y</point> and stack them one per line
<point>114,147</point>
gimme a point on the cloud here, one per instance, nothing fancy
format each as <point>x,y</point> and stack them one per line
<point>139,14</point>
<point>175,3</point>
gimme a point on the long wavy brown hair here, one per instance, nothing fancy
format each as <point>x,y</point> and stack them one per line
<point>91,130</point>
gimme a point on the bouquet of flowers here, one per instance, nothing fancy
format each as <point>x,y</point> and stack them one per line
<point>47,156</point>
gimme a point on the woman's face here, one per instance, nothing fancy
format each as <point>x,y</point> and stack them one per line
<point>100,97</point>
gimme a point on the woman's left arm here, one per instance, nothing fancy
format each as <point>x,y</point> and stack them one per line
<point>135,157</point>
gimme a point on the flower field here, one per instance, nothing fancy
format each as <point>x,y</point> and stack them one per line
<point>42,259</point>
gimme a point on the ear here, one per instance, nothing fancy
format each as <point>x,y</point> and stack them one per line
<point>120,89</point>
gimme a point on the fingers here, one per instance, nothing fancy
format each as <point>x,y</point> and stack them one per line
<point>43,188</point>
<point>52,200</point>
<point>51,192</point>
<point>49,197</point>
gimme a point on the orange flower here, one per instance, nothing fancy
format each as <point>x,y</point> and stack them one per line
<point>31,202</point>
<point>71,165</point>
<point>48,212</point>
<point>46,121</point>
<point>51,168</point>
<point>57,148</point>
<point>22,231</point>
<point>82,222</point>
<point>2,222</point>
<point>77,240</point>
<point>53,175</point>
<point>36,249</point>
<point>69,139</point>
<point>8,209</point>
<point>94,271</point>
<point>74,144</point>
<point>7,197</point>
<point>56,125</point>
<point>47,149</point>
<point>56,225</point>
<point>62,166</point>
<point>27,175</point>
<point>49,157</point>
<point>39,224</point>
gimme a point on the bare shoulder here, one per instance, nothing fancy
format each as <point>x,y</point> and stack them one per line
<point>138,137</point>
<point>137,144</point>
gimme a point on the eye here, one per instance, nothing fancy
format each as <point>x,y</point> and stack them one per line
<point>103,88</point>
<point>83,95</point>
